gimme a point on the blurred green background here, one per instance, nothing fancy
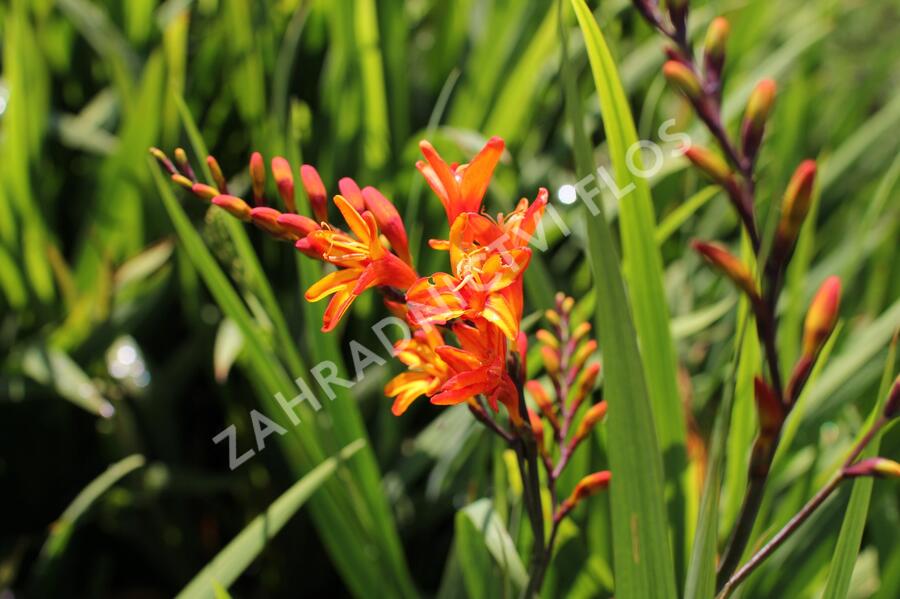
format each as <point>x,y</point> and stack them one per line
<point>112,343</point>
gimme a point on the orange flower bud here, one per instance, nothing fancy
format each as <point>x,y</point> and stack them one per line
<point>878,467</point>
<point>551,360</point>
<point>204,191</point>
<point>389,221</point>
<point>352,193</point>
<point>258,178</point>
<point>892,406</point>
<point>300,226</point>
<point>234,205</point>
<point>729,265</point>
<point>585,351</point>
<point>768,408</point>
<point>822,316</point>
<point>713,165</point>
<point>594,415</point>
<point>315,191</point>
<point>796,202</point>
<point>540,397</point>
<point>284,179</point>
<point>587,486</point>
<point>758,108</point>
<point>547,338</point>
<point>714,44</point>
<point>567,305</point>
<point>682,78</point>
<point>217,175</point>
<point>585,385</point>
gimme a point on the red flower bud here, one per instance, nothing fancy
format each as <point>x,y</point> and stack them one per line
<point>284,179</point>
<point>204,191</point>
<point>267,219</point>
<point>768,408</point>
<point>315,191</point>
<point>714,45</point>
<point>712,165</point>
<point>351,192</point>
<point>300,226</point>
<point>587,486</point>
<point>594,415</point>
<point>389,221</point>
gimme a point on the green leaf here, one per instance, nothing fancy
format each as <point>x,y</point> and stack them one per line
<point>53,367</point>
<point>845,552</point>
<point>643,269</point>
<point>231,562</point>
<point>62,529</point>
<point>642,556</point>
<point>477,523</point>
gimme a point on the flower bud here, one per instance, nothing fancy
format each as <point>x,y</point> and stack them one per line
<point>216,171</point>
<point>822,316</point>
<point>547,338</point>
<point>714,45</point>
<point>540,397</point>
<point>581,331</point>
<point>267,219</point>
<point>284,180</point>
<point>729,265</point>
<point>389,221</point>
<point>352,193</point>
<point>713,165</point>
<point>594,415</point>
<point>587,486</point>
<point>796,202</point>
<point>552,317</point>
<point>550,358</point>
<point>315,191</point>
<point>758,108</point>
<point>182,160</point>
<point>258,178</point>
<point>300,226</point>
<point>878,467</point>
<point>180,179</point>
<point>234,205</point>
<point>585,386</point>
<point>682,78</point>
<point>585,351</point>
<point>892,406</point>
<point>567,304</point>
<point>164,161</point>
<point>204,191</point>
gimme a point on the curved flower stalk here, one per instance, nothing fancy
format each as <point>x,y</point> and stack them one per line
<point>733,168</point>
<point>466,344</point>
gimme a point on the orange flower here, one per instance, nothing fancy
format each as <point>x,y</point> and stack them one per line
<point>460,188</point>
<point>364,263</point>
<point>451,375</point>
<point>427,371</point>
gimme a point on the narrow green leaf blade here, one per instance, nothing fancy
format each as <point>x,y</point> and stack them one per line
<point>643,560</point>
<point>230,563</point>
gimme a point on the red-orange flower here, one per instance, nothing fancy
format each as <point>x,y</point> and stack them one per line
<point>460,188</point>
<point>364,263</point>
<point>427,370</point>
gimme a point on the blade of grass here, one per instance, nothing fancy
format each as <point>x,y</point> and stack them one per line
<point>231,561</point>
<point>642,556</point>
<point>644,271</point>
